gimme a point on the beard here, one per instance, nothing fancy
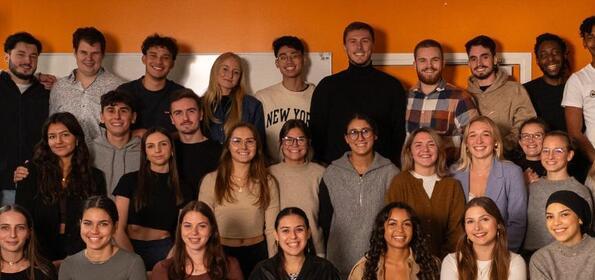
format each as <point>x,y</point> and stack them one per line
<point>22,76</point>
<point>431,80</point>
<point>484,75</point>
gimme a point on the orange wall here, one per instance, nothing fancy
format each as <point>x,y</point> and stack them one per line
<point>250,26</point>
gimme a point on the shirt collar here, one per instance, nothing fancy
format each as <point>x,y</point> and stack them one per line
<point>441,87</point>
<point>72,76</point>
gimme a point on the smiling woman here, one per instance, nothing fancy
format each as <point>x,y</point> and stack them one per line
<point>482,172</point>
<point>244,197</point>
<point>294,259</point>
<point>482,252</point>
<point>60,179</point>
<point>425,184</point>
<point>398,248</point>
<point>101,257</point>
<point>568,218</point>
<point>352,192</point>
<point>18,247</point>
<point>197,251</point>
<point>226,101</point>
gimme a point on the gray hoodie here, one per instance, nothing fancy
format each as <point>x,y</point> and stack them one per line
<point>114,162</point>
<point>356,201</point>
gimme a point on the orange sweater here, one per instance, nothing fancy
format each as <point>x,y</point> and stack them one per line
<point>440,215</point>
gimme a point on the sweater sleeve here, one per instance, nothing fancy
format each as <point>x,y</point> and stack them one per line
<point>517,207</point>
<point>160,270</point>
<point>325,214</point>
<point>26,190</point>
<point>449,269</point>
<point>518,268</point>
<point>393,194</point>
<point>65,272</point>
<point>137,269</point>
<point>538,268</point>
<point>318,118</point>
<point>207,190</point>
<point>457,211</point>
<point>270,214</point>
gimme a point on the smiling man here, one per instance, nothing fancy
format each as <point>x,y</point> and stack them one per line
<point>153,90</point>
<point>23,108</point>
<point>79,93</point>
<point>546,92</point>
<point>505,102</point>
<point>434,103</point>
<point>115,151</point>
<point>289,99</point>
<point>359,89</point>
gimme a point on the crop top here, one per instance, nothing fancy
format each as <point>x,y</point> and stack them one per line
<point>161,211</point>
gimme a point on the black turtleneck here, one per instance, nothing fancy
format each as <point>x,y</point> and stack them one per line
<point>359,89</point>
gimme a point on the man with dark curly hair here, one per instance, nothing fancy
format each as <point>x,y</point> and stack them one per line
<point>153,90</point>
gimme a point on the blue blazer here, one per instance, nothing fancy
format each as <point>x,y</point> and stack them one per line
<point>506,188</point>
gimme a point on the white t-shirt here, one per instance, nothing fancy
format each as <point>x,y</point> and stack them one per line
<point>280,105</point>
<point>580,92</point>
<point>428,181</point>
<point>517,270</point>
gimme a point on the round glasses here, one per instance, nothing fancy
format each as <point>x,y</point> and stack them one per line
<point>365,133</point>
<point>290,141</point>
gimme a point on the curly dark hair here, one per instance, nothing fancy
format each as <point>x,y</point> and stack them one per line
<point>429,265</point>
<point>79,181</point>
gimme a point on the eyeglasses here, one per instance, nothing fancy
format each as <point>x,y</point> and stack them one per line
<point>290,141</point>
<point>556,151</point>
<point>239,142</point>
<point>531,136</point>
<point>286,58</point>
<point>365,133</point>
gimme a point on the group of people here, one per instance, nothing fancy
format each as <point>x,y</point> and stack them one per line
<point>103,178</point>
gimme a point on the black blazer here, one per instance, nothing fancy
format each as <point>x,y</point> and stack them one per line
<point>46,218</point>
<point>314,268</point>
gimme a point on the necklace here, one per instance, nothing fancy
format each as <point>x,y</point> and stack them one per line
<point>239,182</point>
<point>15,262</point>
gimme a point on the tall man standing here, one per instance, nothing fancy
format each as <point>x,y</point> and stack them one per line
<point>434,103</point>
<point>289,99</point>
<point>153,90</point>
<point>80,92</point>
<point>505,102</point>
<point>359,89</point>
<point>23,108</point>
<point>579,100</point>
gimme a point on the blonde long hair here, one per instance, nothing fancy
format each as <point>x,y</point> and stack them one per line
<point>212,96</point>
<point>465,159</point>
